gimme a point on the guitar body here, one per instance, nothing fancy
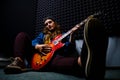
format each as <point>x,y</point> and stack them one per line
<point>39,60</point>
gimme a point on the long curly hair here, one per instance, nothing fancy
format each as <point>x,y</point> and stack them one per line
<point>50,35</point>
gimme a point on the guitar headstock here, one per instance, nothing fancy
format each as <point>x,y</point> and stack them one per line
<point>95,14</point>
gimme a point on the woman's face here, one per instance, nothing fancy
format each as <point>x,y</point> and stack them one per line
<point>50,24</point>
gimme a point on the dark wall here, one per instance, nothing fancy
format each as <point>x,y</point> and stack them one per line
<point>71,12</point>
<point>16,16</point>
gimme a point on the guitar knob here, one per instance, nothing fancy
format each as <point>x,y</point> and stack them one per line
<point>38,63</point>
<point>44,59</point>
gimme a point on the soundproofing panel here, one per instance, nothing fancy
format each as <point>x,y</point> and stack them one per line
<point>70,12</point>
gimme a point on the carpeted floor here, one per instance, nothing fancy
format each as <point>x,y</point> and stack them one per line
<point>32,75</point>
<point>111,74</point>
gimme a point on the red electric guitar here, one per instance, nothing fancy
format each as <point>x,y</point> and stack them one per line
<point>39,60</point>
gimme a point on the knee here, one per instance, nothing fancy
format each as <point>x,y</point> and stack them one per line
<point>23,36</point>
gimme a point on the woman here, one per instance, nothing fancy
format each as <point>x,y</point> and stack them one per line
<point>87,63</point>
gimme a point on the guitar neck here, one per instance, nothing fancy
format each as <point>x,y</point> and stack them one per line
<point>72,30</point>
<point>77,26</point>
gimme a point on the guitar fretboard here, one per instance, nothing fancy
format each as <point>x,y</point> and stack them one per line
<point>77,26</point>
<point>72,30</point>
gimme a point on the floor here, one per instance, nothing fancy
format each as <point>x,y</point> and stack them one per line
<point>110,75</point>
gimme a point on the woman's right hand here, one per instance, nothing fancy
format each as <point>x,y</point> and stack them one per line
<point>44,48</point>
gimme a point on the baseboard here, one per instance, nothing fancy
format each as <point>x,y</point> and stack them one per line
<point>113,67</point>
<point>4,62</point>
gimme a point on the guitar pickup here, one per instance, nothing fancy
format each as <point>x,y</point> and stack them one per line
<point>55,42</point>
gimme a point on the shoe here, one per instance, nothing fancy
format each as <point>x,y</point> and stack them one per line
<point>16,66</point>
<point>96,42</point>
